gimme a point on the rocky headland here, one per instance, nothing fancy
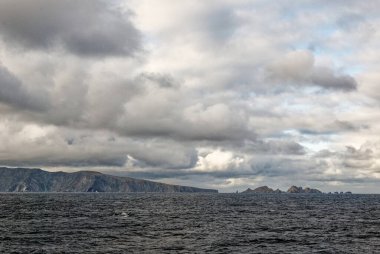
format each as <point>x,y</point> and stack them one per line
<point>37,180</point>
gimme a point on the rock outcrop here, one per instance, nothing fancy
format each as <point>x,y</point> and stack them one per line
<point>262,189</point>
<point>37,180</point>
<point>293,189</point>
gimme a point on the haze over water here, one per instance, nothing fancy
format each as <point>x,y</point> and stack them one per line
<point>189,223</point>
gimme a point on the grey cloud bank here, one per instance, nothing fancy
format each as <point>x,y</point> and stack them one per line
<point>298,67</point>
<point>85,28</point>
<point>227,94</point>
<point>13,92</point>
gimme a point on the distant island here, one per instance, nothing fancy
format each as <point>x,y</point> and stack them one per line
<point>38,180</point>
<point>292,189</point>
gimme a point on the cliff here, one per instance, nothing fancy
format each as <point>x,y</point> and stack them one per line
<point>37,180</point>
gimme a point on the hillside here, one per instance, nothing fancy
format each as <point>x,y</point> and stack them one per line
<point>37,180</point>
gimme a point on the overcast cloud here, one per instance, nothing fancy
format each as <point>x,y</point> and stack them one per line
<point>218,94</point>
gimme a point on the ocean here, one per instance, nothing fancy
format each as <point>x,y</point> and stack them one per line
<point>188,223</point>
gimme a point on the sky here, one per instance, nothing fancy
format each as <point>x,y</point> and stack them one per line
<point>223,94</point>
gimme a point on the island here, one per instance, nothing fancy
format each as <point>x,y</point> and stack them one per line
<point>292,189</point>
<point>262,189</point>
<point>38,180</point>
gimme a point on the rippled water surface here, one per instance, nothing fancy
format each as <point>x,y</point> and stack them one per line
<point>189,223</point>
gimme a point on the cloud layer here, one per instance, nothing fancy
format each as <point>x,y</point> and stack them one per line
<point>219,94</point>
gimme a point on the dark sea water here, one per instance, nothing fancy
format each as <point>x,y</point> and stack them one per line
<point>189,223</point>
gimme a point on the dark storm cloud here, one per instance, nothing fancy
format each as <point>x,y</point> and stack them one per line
<point>86,27</point>
<point>14,94</point>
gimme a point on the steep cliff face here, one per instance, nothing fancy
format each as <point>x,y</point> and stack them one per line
<point>37,180</point>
